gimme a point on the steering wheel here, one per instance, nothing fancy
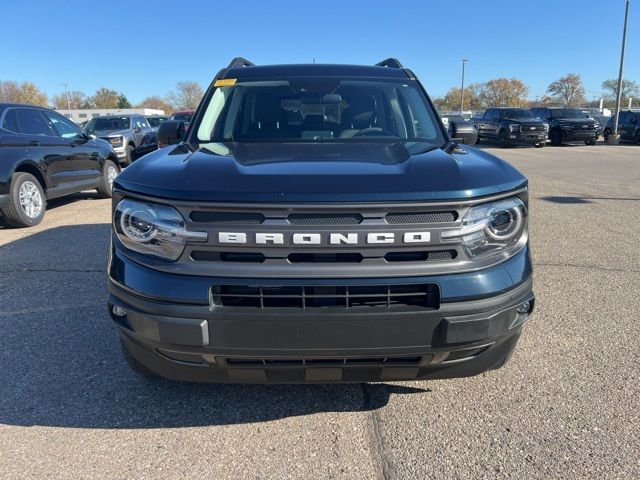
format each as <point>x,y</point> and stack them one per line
<point>373,131</point>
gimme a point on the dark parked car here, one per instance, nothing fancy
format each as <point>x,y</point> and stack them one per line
<point>156,120</point>
<point>567,125</point>
<point>184,116</point>
<point>317,224</point>
<point>458,127</point>
<point>511,126</point>
<point>130,135</point>
<point>628,126</point>
<point>43,155</point>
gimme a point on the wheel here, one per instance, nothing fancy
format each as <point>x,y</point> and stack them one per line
<point>128,159</point>
<point>605,134</point>
<point>27,202</point>
<point>133,363</point>
<point>109,173</point>
<point>541,144</point>
<point>590,142</point>
<point>556,139</point>
<point>638,138</point>
<point>503,141</point>
<point>478,140</point>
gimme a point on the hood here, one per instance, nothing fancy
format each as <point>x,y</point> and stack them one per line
<point>576,121</point>
<point>318,172</point>
<point>110,133</point>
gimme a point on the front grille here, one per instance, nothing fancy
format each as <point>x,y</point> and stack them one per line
<point>325,219</point>
<point>324,362</point>
<point>228,218</point>
<point>421,217</point>
<point>535,127</point>
<point>326,296</point>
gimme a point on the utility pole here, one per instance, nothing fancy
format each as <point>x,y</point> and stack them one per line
<point>615,136</point>
<point>66,90</point>
<point>464,60</point>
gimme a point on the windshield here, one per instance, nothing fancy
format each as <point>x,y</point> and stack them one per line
<point>184,117</point>
<point>567,113</point>
<point>319,109</point>
<point>156,121</point>
<point>517,114</point>
<point>108,123</point>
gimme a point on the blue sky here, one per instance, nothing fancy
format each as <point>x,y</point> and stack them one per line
<point>145,49</point>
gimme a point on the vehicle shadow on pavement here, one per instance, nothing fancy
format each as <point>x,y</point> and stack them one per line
<point>61,360</point>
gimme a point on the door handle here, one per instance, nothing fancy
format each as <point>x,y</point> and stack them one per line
<point>34,143</point>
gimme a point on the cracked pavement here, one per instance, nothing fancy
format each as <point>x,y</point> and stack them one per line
<point>565,406</point>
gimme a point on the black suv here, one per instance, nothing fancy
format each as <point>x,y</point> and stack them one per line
<point>628,126</point>
<point>44,155</point>
<point>567,125</point>
<point>317,224</point>
<point>511,126</point>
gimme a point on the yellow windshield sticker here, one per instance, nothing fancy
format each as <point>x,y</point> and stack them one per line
<point>224,82</point>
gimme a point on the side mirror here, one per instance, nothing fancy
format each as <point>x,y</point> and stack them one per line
<point>465,135</point>
<point>171,132</point>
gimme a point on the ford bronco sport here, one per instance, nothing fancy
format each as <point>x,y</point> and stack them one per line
<point>317,224</point>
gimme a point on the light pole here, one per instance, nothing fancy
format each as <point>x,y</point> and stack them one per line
<point>464,60</point>
<point>615,136</point>
<point>66,90</point>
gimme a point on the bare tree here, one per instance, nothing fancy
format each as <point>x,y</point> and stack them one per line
<point>157,103</point>
<point>568,90</point>
<point>186,96</point>
<point>77,100</point>
<point>629,89</point>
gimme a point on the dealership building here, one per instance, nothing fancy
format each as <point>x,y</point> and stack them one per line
<point>79,116</point>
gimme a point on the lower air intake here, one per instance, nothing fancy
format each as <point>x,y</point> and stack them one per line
<point>416,295</point>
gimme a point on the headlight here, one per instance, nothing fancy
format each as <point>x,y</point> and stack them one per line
<point>152,229</point>
<point>513,128</point>
<point>115,141</point>
<point>545,127</point>
<point>492,228</point>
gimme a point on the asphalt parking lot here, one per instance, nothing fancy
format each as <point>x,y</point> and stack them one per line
<point>566,406</point>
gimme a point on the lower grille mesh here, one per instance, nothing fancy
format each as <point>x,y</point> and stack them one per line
<point>326,296</point>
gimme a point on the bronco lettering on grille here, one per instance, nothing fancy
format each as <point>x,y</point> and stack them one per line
<point>275,238</point>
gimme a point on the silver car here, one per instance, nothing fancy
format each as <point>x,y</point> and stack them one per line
<point>130,135</point>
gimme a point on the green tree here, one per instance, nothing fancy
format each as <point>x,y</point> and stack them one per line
<point>568,91</point>
<point>123,102</point>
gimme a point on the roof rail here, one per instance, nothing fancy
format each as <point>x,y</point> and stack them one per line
<point>390,62</point>
<point>240,62</point>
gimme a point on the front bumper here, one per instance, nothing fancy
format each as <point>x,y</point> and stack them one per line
<point>578,135</point>
<point>189,341</point>
<point>524,138</point>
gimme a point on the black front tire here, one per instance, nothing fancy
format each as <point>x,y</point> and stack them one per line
<point>605,135</point>
<point>541,144</point>
<point>15,214</point>
<point>556,139</point>
<point>590,142</point>
<point>105,189</point>
<point>503,141</point>
<point>129,152</point>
